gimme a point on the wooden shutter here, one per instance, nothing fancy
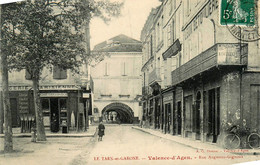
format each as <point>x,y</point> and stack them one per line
<point>59,73</point>
<point>28,76</point>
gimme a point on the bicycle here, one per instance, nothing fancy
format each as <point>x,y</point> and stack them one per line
<point>232,140</point>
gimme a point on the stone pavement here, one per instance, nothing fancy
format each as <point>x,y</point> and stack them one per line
<point>89,133</point>
<point>196,144</point>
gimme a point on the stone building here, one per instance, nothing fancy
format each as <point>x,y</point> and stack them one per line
<point>62,94</point>
<point>200,78</point>
<point>118,80</point>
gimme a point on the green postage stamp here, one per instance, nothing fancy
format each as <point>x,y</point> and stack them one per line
<point>238,12</point>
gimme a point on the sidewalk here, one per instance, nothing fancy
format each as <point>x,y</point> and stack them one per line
<point>89,133</point>
<point>196,144</point>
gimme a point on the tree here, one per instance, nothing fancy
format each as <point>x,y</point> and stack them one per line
<point>8,141</point>
<point>47,33</point>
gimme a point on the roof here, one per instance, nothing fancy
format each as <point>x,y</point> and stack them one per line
<point>120,43</point>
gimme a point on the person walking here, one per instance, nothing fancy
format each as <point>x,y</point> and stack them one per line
<point>101,131</point>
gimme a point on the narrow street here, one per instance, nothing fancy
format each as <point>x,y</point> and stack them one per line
<point>124,145</point>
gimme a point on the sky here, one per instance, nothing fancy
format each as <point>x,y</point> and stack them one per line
<point>8,1</point>
<point>130,23</point>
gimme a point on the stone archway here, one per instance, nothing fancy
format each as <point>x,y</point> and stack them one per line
<point>118,113</point>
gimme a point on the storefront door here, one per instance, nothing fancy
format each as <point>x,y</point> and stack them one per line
<point>179,118</point>
<point>54,111</point>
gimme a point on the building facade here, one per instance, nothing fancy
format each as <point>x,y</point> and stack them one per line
<point>199,78</point>
<point>118,80</point>
<point>66,99</point>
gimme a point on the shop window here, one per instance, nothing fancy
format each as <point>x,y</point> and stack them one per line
<point>59,73</point>
<point>45,107</point>
<point>63,104</point>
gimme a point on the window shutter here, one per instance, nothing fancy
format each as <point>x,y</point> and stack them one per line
<point>59,73</point>
<point>28,76</point>
<point>63,74</point>
<point>56,72</point>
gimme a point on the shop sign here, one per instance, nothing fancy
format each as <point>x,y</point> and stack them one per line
<point>54,95</point>
<point>167,98</point>
<point>23,103</point>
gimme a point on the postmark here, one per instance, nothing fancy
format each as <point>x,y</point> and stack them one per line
<point>240,17</point>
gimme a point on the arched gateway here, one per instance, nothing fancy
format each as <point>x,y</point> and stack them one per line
<point>118,113</point>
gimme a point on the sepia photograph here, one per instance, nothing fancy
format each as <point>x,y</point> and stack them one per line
<point>129,82</point>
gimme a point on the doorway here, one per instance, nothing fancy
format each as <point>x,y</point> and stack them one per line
<point>14,113</point>
<point>214,113</point>
<point>196,115</point>
<point>179,118</point>
<point>54,111</point>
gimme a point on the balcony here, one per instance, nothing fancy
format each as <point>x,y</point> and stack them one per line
<point>222,54</point>
<point>172,50</point>
<point>154,76</point>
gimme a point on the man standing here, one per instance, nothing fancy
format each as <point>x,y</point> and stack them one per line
<point>101,131</point>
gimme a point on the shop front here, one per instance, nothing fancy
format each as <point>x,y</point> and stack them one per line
<point>168,111</point>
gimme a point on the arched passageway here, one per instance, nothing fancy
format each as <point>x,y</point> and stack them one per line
<point>118,113</point>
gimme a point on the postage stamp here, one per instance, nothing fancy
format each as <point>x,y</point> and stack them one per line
<point>238,12</point>
<point>240,17</point>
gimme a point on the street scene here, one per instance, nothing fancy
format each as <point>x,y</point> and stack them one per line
<point>129,82</point>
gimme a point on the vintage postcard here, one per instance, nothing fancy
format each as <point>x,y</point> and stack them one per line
<point>123,82</point>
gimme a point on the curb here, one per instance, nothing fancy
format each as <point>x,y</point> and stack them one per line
<point>28,135</point>
<point>53,136</point>
<point>142,130</point>
<point>251,151</point>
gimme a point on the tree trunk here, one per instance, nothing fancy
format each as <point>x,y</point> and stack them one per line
<point>1,108</point>
<point>38,111</point>
<point>8,141</point>
<point>1,99</point>
<point>87,40</point>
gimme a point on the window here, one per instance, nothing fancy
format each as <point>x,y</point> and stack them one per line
<point>188,7</point>
<point>187,113</point>
<point>106,69</point>
<point>158,34</point>
<point>59,73</point>
<point>123,69</point>
<point>169,35</point>
<point>173,31</point>
<point>28,75</point>
<point>161,30</point>
<point>151,46</point>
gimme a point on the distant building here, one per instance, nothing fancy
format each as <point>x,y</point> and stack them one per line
<point>118,81</point>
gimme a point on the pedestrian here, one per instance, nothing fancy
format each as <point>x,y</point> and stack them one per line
<point>101,131</point>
